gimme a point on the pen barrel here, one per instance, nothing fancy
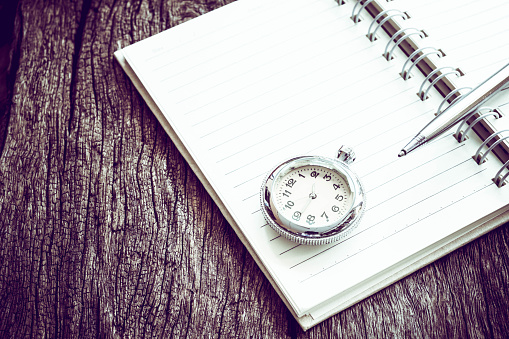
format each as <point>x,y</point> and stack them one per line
<point>466,104</point>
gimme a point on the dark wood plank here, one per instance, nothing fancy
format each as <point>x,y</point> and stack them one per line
<point>106,231</point>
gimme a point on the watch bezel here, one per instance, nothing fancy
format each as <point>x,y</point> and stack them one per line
<point>336,230</point>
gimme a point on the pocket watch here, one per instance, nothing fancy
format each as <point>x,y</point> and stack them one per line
<point>313,200</point>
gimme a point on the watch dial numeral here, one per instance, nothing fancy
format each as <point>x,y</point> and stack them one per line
<point>314,174</point>
<point>291,182</point>
<point>287,193</point>
<point>336,186</point>
<point>289,204</point>
<point>335,209</point>
<point>310,219</point>
<point>339,197</point>
<point>324,215</point>
<point>302,175</point>
<point>327,177</point>
<point>296,215</point>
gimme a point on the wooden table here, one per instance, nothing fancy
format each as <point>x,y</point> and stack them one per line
<point>106,232</point>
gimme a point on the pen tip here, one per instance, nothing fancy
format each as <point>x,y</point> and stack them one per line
<point>401,154</point>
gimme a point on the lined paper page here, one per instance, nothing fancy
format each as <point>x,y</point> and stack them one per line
<point>256,82</point>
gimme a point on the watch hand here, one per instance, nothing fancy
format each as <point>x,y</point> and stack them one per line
<point>313,194</point>
<point>311,197</point>
<point>306,205</point>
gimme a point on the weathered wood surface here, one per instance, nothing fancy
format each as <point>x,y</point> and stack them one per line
<point>106,232</point>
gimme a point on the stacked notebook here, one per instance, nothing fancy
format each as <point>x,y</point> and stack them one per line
<point>254,82</point>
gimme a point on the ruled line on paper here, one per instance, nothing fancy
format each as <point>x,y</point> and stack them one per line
<point>502,57</point>
<point>230,23</point>
<point>249,180</point>
<point>374,121</point>
<point>313,117</point>
<point>474,28</point>
<point>278,117</point>
<point>394,126</point>
<point>251,196</point>
<point>226,52</point>
<point>291,248</point>
<point>442,190</point>
<point>420,6</point>
<point>238,75</point>
<point>274,150</point>
<point>398,212</point>
<point>453,20</point>
<point>247,70</point>
<point>383,239</point>
<point>413,169</point>
<point>289,113</point>
<point>235,22</point>
<point>398,142</point>
<point>256,98</point>
<point>304,75</point>
<point>416,185</point>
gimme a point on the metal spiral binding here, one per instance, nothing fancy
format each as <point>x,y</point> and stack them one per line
<point>448,96</point>
<point>406,73</point>
<point>355,16</point>
<point>372,36</point>
<point>499,180</point>
<point>461,136</point>
<point>424,94</point>
<point>388,55</point>
<point>481,158</point>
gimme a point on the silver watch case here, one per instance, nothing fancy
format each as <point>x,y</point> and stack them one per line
<point>331,232</point>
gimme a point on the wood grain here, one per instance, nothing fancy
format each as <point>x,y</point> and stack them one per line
<point>106,232</point>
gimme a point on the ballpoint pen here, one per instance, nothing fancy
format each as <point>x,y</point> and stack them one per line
<point>458,110</point>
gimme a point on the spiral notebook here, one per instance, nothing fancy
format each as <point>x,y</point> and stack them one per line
<point>254,82</point>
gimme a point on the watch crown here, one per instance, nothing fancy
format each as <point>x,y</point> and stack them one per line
<point>346,154</point>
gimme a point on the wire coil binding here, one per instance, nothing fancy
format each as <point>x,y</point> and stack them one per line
<point>355,16</point>
<point>372,36</point>
<point>480,157</point>
<point>423,95</point>
<point>462,135</point>
<point>499,180</point>
<point>406,73</point>
<point>448,96</point>
<point>388,55</point>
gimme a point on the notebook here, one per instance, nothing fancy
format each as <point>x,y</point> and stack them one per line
<point>250,84</point>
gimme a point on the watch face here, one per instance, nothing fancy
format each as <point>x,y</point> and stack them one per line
<point>311,197</point>
<point>312,200</point>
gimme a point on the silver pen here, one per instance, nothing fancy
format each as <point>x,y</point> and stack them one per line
<point>458,110</point>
